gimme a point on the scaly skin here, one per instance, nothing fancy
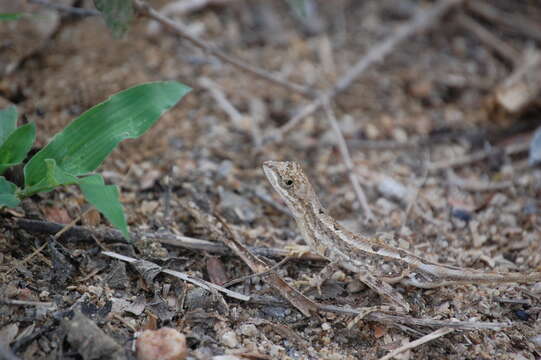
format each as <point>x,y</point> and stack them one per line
<point>376,263</point>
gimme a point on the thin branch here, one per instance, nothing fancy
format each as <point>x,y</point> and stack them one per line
<point>413,200</point>
<point>422,21</point>
<point>475,185</point>
<point>28,258</point>
<point>84,234</point>
<point>231,238</point>
<point>68,9</point>
<point>180,30</point>
<point>392,320</point>
<point>271,277</point>
<point>251,276</point>
<point>198,282</point>
<point>353,178</point>
<point>513,21</point>
<point>504,50</point>
<point>25,302</point>
<point>512,149</point>
<point>258,113</point>
<point>217,93</point>
<point>412,344</point>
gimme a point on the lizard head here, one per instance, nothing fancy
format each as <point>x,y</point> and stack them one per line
<point>288,179</point>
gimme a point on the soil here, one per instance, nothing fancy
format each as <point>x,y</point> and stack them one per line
<point>428,103</point>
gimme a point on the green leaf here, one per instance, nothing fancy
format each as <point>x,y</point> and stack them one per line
<point>53,177</point>
<point>106,198</point>
<point>13,151</point>
<point>117,14</point>
<point>10,16</point>
<point>7,193</point>
<point>8,122</point>
<point>83,145</point>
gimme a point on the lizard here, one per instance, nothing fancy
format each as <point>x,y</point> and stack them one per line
<point>377,264</point>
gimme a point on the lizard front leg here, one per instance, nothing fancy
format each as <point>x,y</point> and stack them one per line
<point>318,280</point>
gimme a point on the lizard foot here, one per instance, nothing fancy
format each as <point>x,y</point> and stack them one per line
<point>297,250</point>
<point>317,281</point>
<point>311,282</point>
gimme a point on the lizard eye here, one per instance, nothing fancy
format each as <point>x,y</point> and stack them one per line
<point>288,182</point>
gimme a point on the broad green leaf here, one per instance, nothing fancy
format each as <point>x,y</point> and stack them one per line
<point>94,179</point>
<point>13,151</point>
<point>8,122</point>
<point>7,193</point>
<point>10,16</point>
<point>83,145</point>
<point>117,14</point>
<point>106,199</point>
<point>53,177</point>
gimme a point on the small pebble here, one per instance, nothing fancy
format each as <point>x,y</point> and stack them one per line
<point>229,339</point>
<point>276,351</point>
<point>391,188</point>
<point>248,330</point>
<point>355,286</point>
<point>536,340</point>
<point>462,214</point>
<point>163,344</point>
<point>522,315</point>
<point>530,208</point>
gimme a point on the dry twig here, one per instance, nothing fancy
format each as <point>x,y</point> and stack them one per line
<point>217,93</point>
<point>84,234</point>
<point>514,21</point>
<point>476,185</point>
<point>232,240</point>
<point>28,258</point>
<point>353,178</point>
<point>392,320</point>
<point>422,21</point>
<point>506,51</point>
<point>412,344</point>
<point>198,282</point>
<point>511,149</point>
<point>25,302</point>
<point>177,28</point>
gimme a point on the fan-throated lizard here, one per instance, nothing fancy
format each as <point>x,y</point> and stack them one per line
<point>376,263</point>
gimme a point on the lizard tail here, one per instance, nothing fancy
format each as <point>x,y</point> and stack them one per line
<point>431,275</point>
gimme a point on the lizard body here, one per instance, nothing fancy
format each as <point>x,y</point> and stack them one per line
<point>376,263</point>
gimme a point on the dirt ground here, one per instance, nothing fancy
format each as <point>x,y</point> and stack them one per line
<point>407,121</point>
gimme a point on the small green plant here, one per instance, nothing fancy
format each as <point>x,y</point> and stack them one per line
<point>82,146</point>
<point>10,16</point>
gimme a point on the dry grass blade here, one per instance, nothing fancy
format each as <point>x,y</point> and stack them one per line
<point>220,228</point>
<point>178,29</point>
<point>85,234</point>
<point>522,24</point>
<point>198,282</point>
<point>478,156</point>
<point>432,336</point>
<point>503,49</point>
<point>353,178</point>
<point>393,320</point>
<point>297,299</point>
<point>421,22</point>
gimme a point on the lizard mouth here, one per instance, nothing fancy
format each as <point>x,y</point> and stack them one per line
<point>270,172</point>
